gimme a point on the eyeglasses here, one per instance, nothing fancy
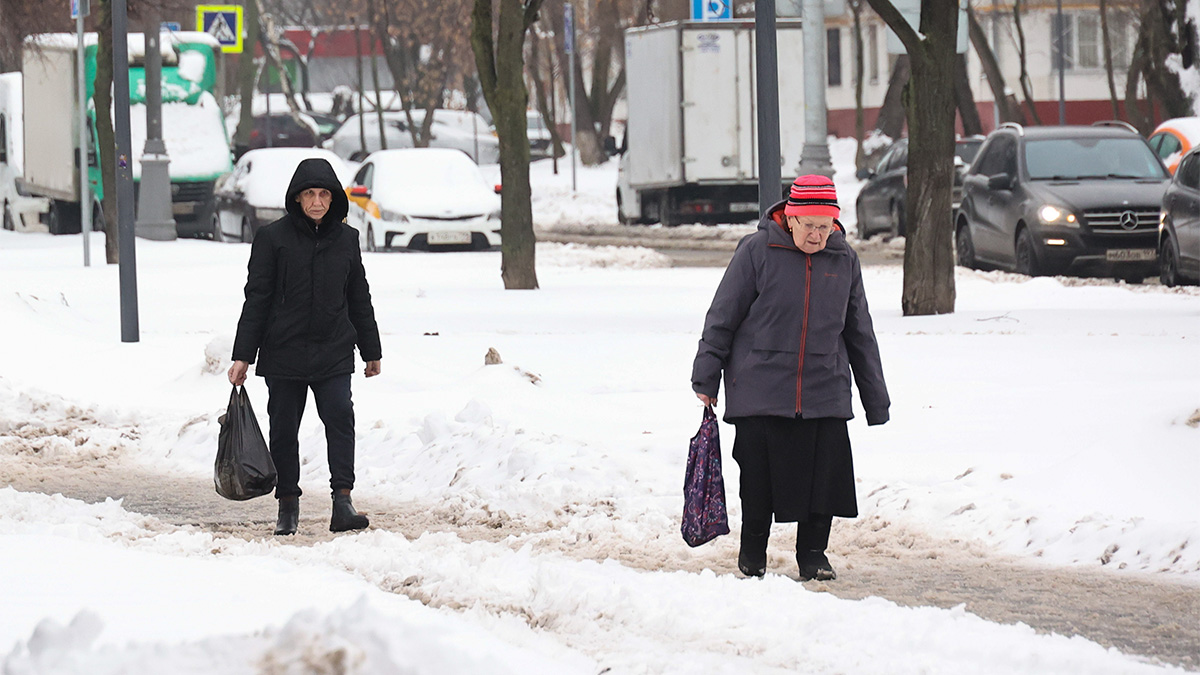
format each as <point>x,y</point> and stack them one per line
<point>819,229</point>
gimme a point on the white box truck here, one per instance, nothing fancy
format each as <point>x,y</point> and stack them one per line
<point>192,123</point>
<point>690,152</point>
<point>19,210</point>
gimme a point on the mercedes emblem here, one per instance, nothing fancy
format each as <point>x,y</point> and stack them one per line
<point>1129,220</point>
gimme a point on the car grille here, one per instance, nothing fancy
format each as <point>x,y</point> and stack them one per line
<point>1109,221</point>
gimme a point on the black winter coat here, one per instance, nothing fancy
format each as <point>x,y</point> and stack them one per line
<point>307,299</point>
<point>787,328</point>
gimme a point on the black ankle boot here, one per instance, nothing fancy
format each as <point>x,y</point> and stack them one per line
<point>344,516</point>
<point>814,565</point>
<point>752,559</point>
<point>289,515</point>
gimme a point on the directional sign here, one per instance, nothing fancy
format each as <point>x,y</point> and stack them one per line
<point>569,28</point>
<point>224,22</point>
<point>79,7</point>
<point>712,10</point>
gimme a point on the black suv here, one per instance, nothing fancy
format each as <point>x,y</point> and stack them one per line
<point>1063,200</point>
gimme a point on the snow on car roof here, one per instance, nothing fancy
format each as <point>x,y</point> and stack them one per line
<point>265,184</point>
<point>1188,126</point>
<point>434,167</point>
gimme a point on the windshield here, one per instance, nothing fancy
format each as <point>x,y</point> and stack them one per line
<point>966,150</point>
<point>1084,158</point>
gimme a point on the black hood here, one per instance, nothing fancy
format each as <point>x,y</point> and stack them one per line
<point>317,172</point>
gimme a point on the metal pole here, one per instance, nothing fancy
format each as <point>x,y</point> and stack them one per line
<point>815,156</point>
<point>85,194</point>
<point>766,53</point>
<point>996,53</point>
<point>1062,65</point>
<point>124,187</point>
<point>154,217</point>
<point>569,17</point>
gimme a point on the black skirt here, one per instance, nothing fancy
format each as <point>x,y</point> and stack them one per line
<point>794,468</point>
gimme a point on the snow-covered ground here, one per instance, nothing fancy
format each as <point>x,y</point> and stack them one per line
<point>1047,420</point>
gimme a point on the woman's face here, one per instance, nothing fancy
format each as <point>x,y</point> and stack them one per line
<point>810,232</point>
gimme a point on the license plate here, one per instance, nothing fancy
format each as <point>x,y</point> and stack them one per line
<point>449,237</point>
<point>743,207</point>
<point>1130,254</point>
<point>183,208</point>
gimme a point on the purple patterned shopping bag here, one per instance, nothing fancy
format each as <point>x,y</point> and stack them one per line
<point>704,516</point>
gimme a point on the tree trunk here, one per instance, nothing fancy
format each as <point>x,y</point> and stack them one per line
<point>545,99</point>
<point>1108,65</point>
<point>890,122</point>
<point>929,103</point>
<point>860,160</point>
<point>105,136</point>
<point>964,99</point>
<point>500,59</point>
<point>1010,110</point>
<point>247,74</point>
<point>1026,88</point>
<point>1133,110</point>
<point>1162,19</point>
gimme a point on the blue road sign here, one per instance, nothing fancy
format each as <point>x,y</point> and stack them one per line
<point>712,10</point>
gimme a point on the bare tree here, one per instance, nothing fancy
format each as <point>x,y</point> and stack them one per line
<point>1108,61</point>
<point>1010,109</point>
<point>498,40</point>
<point>1022,56</point>
<point>1159,38</point>
<point>860,160</point>
<point>19,19</point>
<point>929,102</point>
<point>247,75</point>
<point>890,121</point>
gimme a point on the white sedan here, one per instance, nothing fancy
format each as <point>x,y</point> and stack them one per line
<point>430,199</point>
<point>253,195</point>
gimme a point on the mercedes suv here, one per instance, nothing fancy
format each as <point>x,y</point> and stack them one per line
<point>1063,200</point>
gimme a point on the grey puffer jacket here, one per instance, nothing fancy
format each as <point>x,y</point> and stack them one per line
<point>787,327</point>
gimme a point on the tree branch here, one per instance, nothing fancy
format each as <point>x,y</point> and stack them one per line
<point>899,25</point>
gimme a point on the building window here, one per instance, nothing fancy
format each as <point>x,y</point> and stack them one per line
<point>1062,42</point>
<point>873,53</point>
<point>833,44</point>
<point>1091,47</point>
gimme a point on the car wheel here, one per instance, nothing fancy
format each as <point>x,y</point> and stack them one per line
<point>8,219</point>
<point>621,217</point>
<point>1168,264</point>
<point>247,231</point>
<point>666,212</point>
<point>897,220</point>
<point>217,234</point>
<point>1027,262</point>
<point>371,239</point>
<point>964,247</point>
<point>863,232</point>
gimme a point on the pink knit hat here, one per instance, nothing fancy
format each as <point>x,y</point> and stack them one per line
<point>812,196</point>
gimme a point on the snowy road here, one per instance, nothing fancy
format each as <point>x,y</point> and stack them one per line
<point>1146,616</point>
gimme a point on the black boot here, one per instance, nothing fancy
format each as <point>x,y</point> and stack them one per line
<point>289,515</point>
<point>814,565</point>
<point>752,559</point>
<point>344,516</point>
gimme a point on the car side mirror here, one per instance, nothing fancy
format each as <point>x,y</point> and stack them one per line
<point>1000,181</point>
<point>864,174</point>
<point>360,191</point>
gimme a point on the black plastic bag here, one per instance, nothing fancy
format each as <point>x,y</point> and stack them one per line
<point>244,469</point>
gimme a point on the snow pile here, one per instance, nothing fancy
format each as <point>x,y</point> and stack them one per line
<point>576,255</point>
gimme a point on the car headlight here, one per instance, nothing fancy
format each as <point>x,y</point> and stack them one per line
<point>1054,215</point>
<point>393,216</point>
<point>269,215</point>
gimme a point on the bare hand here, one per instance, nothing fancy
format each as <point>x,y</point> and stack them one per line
<point>237,372</point>
<point>372,369</point>
<point>708,401</point>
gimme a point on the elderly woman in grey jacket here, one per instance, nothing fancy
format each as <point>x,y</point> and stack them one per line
<point>788,324</point>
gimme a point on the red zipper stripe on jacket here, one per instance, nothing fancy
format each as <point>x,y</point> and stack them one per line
<point>804,329</point>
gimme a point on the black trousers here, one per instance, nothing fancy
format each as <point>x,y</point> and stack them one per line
<point>285,407</point>
<point>797,470</point>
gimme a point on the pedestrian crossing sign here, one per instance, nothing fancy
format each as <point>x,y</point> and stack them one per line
<point>223,22</point>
